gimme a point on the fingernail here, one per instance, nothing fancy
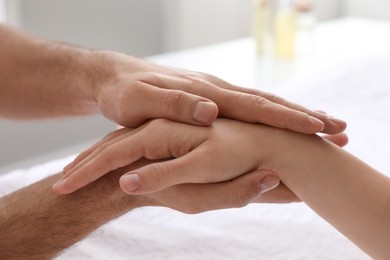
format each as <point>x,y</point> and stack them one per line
<point>318,123</point>
<point>130,182</point>
<point>205,112</point>
<point>268,183</point>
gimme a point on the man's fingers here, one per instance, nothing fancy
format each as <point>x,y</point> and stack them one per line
<point>186,108</point>
<point>257,109</point>
<point>253,108</point>
<point>152,102</point>
<point>197,98</point>
<point>338,139</point>
<point>236,193</point>
<point>332,124</point>
<point>222,89</point>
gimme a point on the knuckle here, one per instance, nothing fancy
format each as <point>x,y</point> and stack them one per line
<point>154,152</point>
<point>172,101</point>
<point>151,78</point>
<point>108,160</point>
<point>190,74</point>
<point>158,123</point>
<point>260,104</point>
<point>123,98</point>
<point>101,148</point>
<point>204,76</point>
<point>200,83</point>
<point>125,111</point>
<point>160,171</point>
<point>156,131</point>
<point>277,99</point>
<point>273,97</point>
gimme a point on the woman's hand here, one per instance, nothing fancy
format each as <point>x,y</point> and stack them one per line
<point>221,152</point>
<point>130,91</point>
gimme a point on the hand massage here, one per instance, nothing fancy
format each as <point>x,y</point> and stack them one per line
<point>188,141</point>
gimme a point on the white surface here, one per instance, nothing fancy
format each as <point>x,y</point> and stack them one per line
<point>334,42</point>
<point>2,11</point>
<point>189,23</point>
<point>375,9</point>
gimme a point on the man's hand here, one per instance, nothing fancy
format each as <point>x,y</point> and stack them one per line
<point>221,152</point>
<point>40,79</point>
<point>130,91</point>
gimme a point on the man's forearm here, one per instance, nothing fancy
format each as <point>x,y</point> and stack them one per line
<point>42,78</point>
<point>35,223</point>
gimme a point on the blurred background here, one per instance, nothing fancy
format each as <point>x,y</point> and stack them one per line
<point>140,28</point>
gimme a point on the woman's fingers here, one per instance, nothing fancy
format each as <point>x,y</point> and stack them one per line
<point>96,165</point>
<point>338,139</point>
<point>159,139</point>
<point>96,150</point>
<point>87,152</point>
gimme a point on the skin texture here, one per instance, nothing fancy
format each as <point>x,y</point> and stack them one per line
<point>346,192</point>
<point>44,79</point>
<point>25,222</point>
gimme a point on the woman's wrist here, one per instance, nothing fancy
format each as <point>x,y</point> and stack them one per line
<point>302,160</point>
<point>345,191</point>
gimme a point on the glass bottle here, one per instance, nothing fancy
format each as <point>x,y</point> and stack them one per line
<point>285,29</point>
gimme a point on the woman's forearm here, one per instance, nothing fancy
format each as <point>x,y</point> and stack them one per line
<point>42,78</point>
<point>346,192</point>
